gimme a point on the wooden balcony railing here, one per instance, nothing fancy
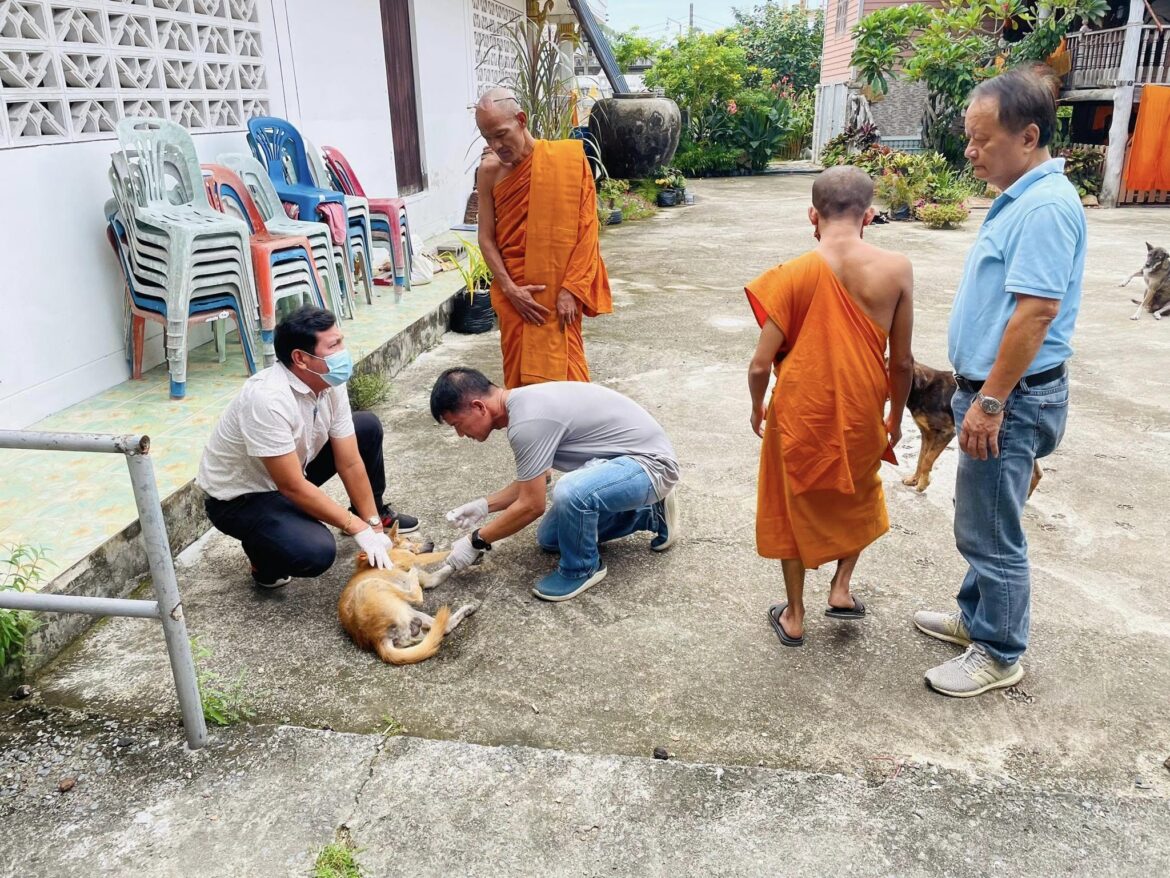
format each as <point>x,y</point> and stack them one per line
<point>1096,57</point>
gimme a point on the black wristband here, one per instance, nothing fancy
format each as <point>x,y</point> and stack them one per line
<point>477,543</point>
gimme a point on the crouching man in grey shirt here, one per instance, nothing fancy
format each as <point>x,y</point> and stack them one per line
<point>620,467</point>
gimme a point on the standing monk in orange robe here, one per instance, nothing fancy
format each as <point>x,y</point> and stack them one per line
<point>538,233</point>
<point>825,320</point>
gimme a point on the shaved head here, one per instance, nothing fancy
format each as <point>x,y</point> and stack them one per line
<point>498,100</point>
<point>503,125</point>
<point>842,191</point>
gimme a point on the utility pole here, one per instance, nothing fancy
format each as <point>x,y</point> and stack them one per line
<point>691,26</point>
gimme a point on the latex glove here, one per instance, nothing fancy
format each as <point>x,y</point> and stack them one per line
<point>463,554</point>
<point>376,546</point>
<point>469,516</point>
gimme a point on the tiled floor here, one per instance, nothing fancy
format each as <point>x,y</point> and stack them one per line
<point>69,503</point>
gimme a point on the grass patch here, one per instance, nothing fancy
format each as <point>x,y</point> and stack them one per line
<point>338,859</point>
<point>635,207</point>
<point>635,200</point>
<point>224,702</point>
<point>392,727</point>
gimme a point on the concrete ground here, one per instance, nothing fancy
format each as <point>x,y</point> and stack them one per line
<point>840,759</point>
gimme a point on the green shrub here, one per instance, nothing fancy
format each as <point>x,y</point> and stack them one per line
<point>943,216</point>
<point>1084,168</point>
<point>709,159</point>
<point>18,572</point>
<point>899,192</point>
<point>367,390</point>
<point>761,123</point>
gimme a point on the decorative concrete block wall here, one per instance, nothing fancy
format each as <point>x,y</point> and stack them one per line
<point>70,69</point>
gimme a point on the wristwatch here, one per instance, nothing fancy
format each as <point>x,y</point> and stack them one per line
<point>374,521</point>
<point>989,404</point>
<point>477,543</point>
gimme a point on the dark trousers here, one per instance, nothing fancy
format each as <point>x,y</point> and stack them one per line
<point>278,538</point>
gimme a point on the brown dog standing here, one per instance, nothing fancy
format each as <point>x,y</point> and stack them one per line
<point>930,405</point>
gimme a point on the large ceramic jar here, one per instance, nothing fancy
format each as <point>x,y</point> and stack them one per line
<point>636,134</point>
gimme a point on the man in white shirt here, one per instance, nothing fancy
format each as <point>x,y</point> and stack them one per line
<point>288,432</point>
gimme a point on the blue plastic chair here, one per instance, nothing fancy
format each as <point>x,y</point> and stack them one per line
<point>278,145</point>
<point>281,149</point>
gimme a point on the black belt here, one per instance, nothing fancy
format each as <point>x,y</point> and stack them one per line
<point>969,386</point>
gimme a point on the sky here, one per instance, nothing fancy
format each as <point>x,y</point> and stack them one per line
<point>651,15</point>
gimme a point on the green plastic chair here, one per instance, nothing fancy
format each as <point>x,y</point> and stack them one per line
<point>178,241</point>
<point>330,263</point>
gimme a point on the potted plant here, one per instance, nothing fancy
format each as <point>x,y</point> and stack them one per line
<point>611,192</point>
<point>472,311</point>
<point>672,187</point>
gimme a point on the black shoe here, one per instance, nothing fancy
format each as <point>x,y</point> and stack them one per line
<point>276,582</point>
<point>407,524</point>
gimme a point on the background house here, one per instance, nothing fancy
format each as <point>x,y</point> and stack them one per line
<point>1109,67</point>
<point>898,115</point>
<point>387,81</point>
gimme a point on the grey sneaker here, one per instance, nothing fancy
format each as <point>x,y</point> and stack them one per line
<point>973,673</point>
<point>944,626</point>
<point>668,534</point>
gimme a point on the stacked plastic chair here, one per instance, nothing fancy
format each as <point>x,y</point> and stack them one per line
<point>181,255</point>
<point>330,269</point>
<point>388,216</point>
<point>357,211</point>
<point>280,148</point>
<point>142,306</point>
<point>282,265</point>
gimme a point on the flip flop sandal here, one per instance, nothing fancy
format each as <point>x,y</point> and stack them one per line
<point>785,638</point>
<point>857,611</point>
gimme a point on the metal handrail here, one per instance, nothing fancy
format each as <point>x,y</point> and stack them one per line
<point>167,607</point>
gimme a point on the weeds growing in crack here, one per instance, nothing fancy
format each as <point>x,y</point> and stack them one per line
<point>338,859</point>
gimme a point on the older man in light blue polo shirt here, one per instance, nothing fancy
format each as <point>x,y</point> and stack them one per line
<point>1010,338</point>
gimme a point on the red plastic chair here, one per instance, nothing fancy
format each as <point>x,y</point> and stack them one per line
<point>388,215</point>
<point>268,250</point>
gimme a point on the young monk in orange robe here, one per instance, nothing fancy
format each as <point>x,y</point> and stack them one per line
<point>825,319</point>
<point>538,232</point>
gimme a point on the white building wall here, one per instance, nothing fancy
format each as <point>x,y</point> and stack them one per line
<point>62,287</point>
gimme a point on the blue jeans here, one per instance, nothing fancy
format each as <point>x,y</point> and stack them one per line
<point>995,596</point>
<point>602,501</point>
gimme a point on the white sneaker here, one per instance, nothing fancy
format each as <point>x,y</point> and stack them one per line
<point>973,673</point>
<point>943,626</point>
<point>667,538</point>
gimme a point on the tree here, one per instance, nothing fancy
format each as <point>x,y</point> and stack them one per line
<point>784,40</point>
<point>700,69</point>
<point>953,48</point>
<point>631,47</point>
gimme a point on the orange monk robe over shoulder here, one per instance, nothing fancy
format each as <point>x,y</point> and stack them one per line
<point>546,229</point>
<point>820,496</point>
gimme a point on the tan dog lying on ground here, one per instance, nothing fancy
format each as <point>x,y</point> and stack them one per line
<point>375,605</point>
